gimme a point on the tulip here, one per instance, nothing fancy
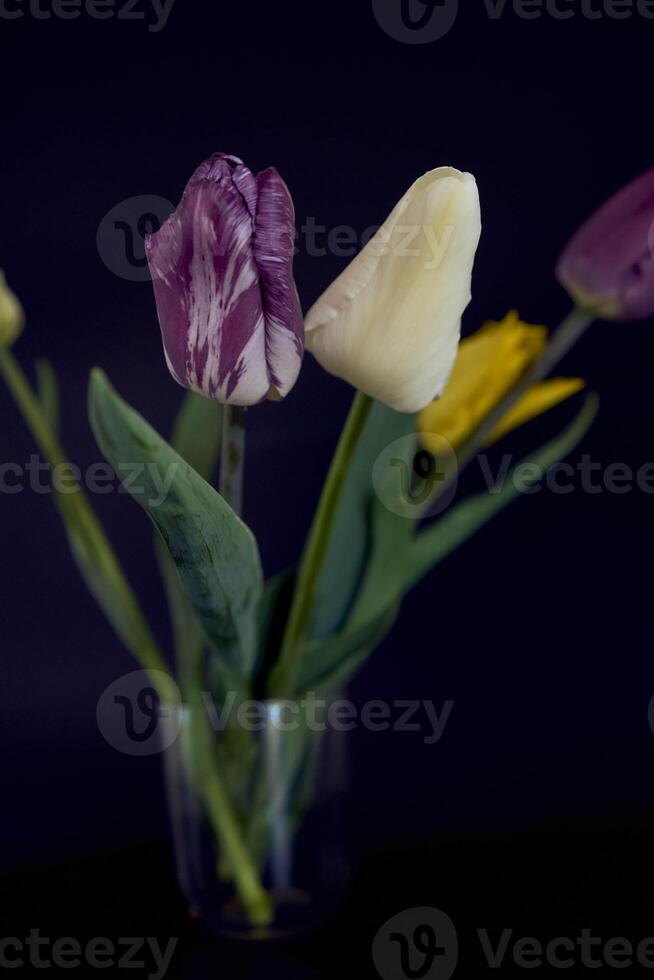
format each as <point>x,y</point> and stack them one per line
<point>489,365</point>
<point>221,267</point>
<point>11,315</point>
<point>390,324</point>
<point>608,266</point>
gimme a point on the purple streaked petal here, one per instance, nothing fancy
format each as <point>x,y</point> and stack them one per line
<point>226,299</point>
<point>274,244</point>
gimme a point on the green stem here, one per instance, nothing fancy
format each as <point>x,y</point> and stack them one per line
<point>284,675</point>
<point>91,548</point>
<point>256,901</point>
<point>232,457</point>
<point>31,408</point>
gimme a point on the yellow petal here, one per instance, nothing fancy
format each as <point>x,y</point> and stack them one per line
<point>536,401</point>
<point>489,364</point>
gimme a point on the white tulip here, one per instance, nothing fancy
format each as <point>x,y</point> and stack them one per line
<point>390,323</point>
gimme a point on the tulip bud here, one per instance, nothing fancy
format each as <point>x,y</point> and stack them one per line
<point>608,266</point>
<point>390,324</point>
<point>11,315</point>
<point>221,268</point>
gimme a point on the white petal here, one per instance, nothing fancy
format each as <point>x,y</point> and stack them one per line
<point>390,324</point>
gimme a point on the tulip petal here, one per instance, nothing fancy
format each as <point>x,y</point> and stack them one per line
<point>274,244</point>
<point>535,402</point>
<point>488,365</point>
<point>390,324</point>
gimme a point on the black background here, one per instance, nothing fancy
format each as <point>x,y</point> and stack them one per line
<point>535,810</point>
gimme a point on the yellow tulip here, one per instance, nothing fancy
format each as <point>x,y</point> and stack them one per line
<point>488,367</point>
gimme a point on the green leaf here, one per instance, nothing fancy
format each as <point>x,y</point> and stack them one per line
<point>329,664</point>
<point>351,538</point>
<point>215,554</point>
<point>272,593</point>
<point>399,560</point>
<point>48,392</point>
<point>387,568</point>
<point>196,437</point>
<point>451,531</point>
<point>393,521</point>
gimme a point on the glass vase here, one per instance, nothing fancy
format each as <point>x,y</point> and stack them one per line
<point>257,811</point>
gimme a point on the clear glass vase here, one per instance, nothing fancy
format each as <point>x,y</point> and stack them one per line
<point>258,817</point>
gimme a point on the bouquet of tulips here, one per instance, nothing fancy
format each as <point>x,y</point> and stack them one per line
<point>234,335</point>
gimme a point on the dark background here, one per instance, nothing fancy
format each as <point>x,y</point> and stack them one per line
<point>535,810</point>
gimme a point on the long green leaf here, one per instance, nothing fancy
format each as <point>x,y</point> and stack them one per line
<point>329,664</point>
<point>399,560</point>
<point>451,531</point>
<point>48,392</point>
<point>215,554</point>
<point>351,538</point>
<point>91,549</point>
<point>196,437</point>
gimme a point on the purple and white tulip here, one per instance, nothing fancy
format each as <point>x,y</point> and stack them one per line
<point>608,266</point>
<point>222,271</point>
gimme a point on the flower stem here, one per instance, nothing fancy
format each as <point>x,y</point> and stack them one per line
<point>90,546</point>
<point>31,409</point>
<point>256,901</point>
<point>232,458</point>
<point>283,676</point>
